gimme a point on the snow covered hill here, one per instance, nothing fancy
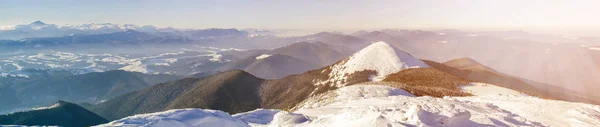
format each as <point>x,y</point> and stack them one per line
<point>379,57</point>
<point>377,105</point>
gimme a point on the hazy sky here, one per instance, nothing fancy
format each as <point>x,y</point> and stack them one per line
<point>564,15</point>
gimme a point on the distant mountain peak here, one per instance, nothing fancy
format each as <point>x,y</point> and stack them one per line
<point>38,23</point>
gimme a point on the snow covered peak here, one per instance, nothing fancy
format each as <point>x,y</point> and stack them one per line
<point>383,58</point>
<point>37,23</point>
<point>379,57</point>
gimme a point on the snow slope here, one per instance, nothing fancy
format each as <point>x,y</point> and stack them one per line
<point>483,89</point>
<point>354,92</point>
<point>370,104</point>
<point>548,112</point>
<point>379,56</point>
<point>180,118</point>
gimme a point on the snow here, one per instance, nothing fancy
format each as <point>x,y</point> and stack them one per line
<point>103,62</point>
<point>135,67</point>
<point>258,117</point>
<point>287,119</point>
<point>376,105</point>
<point>379,57</point>
<point>354,92</point>
<point>263,56</point>
<point>49,107</point>
<point>2,74</point>
<point>548,112</point>
<point>180,118</point>
<point>483,89</point>
<point>594,48</point>
<point>215,57</point>
<point>16,65</point>
<point>411,111</point>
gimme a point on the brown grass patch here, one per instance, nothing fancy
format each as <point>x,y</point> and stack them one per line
<point>428,82</point>
<point>490,77</point>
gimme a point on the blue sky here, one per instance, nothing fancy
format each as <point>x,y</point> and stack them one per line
<point>581,15</point>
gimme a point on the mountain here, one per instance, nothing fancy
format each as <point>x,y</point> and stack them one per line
<point>269,66</point>
<point>336,40</point>
<point>317,53</point>
<point>39,35</point>
<point>90,87</point>
<point>474,71</point>
<point>8,94</point>
<point>40,29</point>
<point>393,88</point>
<point>468,64</point>
<point>377,104</point>
<point>540,58</point>
<point>284,61</point>
<point>359,33</point>
<point>283,93</point>
<point>59,114</point>
<point>214,33</point>
<point>129,37</point>
<point>231,91</point>
<point>400,42</point>
<point>181,118</point>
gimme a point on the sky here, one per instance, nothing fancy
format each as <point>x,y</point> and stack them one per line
<point>534,15</point>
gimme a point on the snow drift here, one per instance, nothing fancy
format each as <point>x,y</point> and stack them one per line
<point>180,118</point>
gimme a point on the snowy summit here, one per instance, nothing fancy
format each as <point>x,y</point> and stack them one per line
<point>379,57</point>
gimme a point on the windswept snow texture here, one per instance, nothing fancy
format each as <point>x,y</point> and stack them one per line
<point>180,118</point>
<point>380,57</point>
<point>257,117</point>
<point>483,89</point>
<point>354,92</point>
<point>548,112</point>
<point>382,106</point>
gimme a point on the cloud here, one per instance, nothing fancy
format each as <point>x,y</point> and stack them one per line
<point>7,27</point>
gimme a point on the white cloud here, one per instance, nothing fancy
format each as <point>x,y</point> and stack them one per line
<point>7,27</point>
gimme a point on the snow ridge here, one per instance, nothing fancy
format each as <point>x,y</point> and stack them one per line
<point>379,57</point>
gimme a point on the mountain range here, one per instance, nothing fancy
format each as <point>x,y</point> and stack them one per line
<point>383,85</point>
<point>221,91</point>
<point>90,87</point>
<point>434,94</point>
<point>389,76</point>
